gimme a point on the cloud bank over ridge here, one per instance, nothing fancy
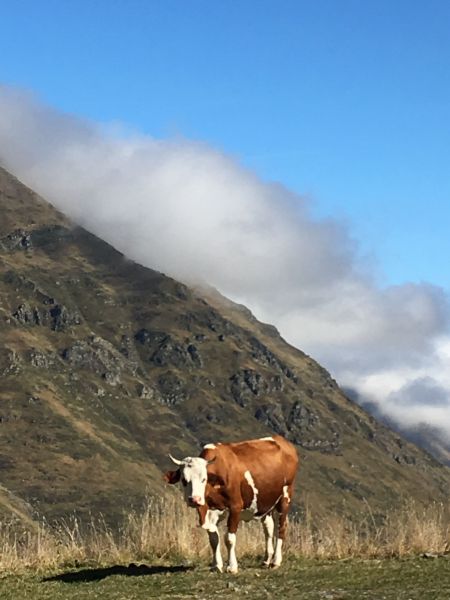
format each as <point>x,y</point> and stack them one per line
<point>190,211</point>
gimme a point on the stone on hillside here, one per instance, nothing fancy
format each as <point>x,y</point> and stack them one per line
<point>272,416</point>
<point>261,354</point>
<point>163,350</point>
<point>10,362</point>
<point>150,338</point>
<point>248,384</point>
<point>24,314</point>
<point>302,418</point>
<point>128,349</point>
<point>195,355</point>
<point>172,389</point>
<point>63,317</point>
<point>16,240</point>
<point>98,356</point>
<point>171,353</point>
<point>145,392</point>
<point>58,317</point>
<point>39,359</point>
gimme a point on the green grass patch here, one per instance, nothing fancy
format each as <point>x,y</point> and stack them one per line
<point>414,578</point>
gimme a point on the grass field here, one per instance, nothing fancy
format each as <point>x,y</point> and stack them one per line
<point>160,553</point>
<point>388,579</point>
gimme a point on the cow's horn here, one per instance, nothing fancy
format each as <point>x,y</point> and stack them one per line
<point>175,460</point>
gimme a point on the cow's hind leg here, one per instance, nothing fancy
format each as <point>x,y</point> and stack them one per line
<point>230,540</point>
<point>211,521</point>
<point>268,526</point>
<point>283,508</point>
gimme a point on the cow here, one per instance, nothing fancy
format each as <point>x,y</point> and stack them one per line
<point>252,479</point>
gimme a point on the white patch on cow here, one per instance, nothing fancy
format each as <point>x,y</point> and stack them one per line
<point>254,505</point>
<point>269,526</point>
<point>266,439</point>
<point>286,493</point>
<point>278,553</point>
<point>211,519</point>
<point>209,447</point>
<point>249,513</point>
<point>232,560</point>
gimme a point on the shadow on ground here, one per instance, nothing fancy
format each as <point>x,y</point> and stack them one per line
<point>129,571</point>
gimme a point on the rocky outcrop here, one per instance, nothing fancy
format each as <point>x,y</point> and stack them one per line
<point>249,383</point>
<point>172,389</point>
<point>57,317</point>
<point>164,350</point>
<point>16,240</point>
<point>99,356</point>
<point>40,359</point>
<point>10,362</point>
<point>261,354</point>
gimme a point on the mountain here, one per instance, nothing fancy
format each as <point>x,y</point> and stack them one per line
<point>106,366</point>
<point>427,437</point>
<point>431,439</point>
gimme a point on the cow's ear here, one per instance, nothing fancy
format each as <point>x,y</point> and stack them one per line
<point>172,476</point>
<point>215,480</point>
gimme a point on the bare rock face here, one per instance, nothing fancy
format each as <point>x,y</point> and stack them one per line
<point>41,359</point>
<point>16,240</point>
<point>127,347</point>
<point>164,350</point>
<point>62,317</point>
<point>99,356</point>
<point>25,315</point>
<point>261,354</point>
<point>58,317</point>
<point>172,389</point>
<point>10,362</point>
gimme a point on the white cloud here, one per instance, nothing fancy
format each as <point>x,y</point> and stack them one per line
<point>190,211</point>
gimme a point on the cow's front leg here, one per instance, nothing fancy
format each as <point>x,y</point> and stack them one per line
<point>233,523</point>
<point>268,526</point>
<point>211,520</point>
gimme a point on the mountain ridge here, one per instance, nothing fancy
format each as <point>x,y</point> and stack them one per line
<point>106,366</point>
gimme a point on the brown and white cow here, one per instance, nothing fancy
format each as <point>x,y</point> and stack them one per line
<point>251,480</point>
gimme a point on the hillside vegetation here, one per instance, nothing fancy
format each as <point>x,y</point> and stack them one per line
<point>106,366</point>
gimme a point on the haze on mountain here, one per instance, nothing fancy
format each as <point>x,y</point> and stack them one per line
<point>106,366</point>
<point>188,210</point>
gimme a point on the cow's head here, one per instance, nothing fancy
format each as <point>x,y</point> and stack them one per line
<point>193,475</point>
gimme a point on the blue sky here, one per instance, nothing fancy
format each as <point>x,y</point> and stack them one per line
<point>345,101</point>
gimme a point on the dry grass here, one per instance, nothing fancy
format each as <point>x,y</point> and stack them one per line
<point>168,529</point>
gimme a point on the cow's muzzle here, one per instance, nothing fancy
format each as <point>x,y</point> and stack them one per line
<point>195,501</point>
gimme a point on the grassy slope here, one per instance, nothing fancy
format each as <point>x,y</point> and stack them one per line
<point>92,432</point>
<point>410,579</point>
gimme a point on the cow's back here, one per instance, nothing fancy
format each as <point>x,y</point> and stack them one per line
<point>268,454</point>
<point>267,465</point>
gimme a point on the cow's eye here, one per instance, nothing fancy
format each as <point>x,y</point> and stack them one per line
<point>183,481</point>
<point>204,480</point>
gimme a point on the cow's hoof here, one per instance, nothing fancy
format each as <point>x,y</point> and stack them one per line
<point>216,569</point>
<point>275,566</point>
<point>266,564</point>
<point>232,570</point>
